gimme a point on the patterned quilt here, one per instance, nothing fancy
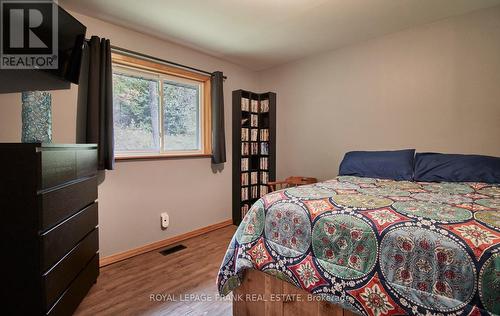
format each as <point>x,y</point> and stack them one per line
<point>377,247</point>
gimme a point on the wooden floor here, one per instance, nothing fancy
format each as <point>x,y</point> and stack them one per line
<point>125,288</point>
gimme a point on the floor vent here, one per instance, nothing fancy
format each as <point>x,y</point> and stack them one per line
<point>170,250</point>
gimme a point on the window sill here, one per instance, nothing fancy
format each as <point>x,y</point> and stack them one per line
<point>161,157</point>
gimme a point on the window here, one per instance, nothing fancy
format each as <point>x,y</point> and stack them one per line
<point>159,111</point>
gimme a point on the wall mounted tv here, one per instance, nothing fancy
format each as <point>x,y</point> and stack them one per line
<point>70,39</point>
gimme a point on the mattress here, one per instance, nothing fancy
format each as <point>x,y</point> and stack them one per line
<point>377,247</point>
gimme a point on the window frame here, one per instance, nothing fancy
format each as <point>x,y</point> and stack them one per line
<point>166,73</point>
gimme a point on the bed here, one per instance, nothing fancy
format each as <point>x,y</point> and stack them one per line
<point>377,247</point>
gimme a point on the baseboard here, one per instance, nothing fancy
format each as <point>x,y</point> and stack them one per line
<point>162,243</point>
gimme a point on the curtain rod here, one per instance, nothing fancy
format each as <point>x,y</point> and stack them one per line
<point>131,52</point>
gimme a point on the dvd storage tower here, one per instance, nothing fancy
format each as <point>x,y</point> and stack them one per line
<point>254,148</point>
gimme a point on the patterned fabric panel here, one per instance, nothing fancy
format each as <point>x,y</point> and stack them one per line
<point>377,247</point>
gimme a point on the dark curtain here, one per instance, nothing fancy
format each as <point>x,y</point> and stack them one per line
<point>218,133</point>
<point>96,84</point>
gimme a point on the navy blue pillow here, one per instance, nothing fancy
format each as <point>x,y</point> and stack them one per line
<point>396,165</point>
<point>456,168</point>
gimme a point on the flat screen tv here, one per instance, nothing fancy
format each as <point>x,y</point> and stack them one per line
<point>71,36</point>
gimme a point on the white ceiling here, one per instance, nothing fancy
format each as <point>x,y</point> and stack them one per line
<point>260,34</point>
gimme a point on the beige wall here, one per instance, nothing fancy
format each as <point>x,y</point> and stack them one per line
<point>132,197</point>
<point>433,88</point>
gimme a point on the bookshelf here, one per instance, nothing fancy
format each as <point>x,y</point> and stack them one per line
<point>254,148</point>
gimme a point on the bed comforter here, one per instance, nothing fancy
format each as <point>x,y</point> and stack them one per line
<point>377,247</point>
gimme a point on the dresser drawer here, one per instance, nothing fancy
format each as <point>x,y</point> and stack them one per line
<point>62,202</point>
<point>61,165</point>
<point>57,279</point>
<point>56,242</point>
<point>71,298</point>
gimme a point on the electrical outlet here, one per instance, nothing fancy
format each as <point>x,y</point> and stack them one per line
<point>165,221</point>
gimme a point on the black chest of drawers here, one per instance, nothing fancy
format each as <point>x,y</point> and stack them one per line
<point>49,225</point>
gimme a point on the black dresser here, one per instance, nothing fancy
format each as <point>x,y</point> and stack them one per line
<point>49,227</point>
